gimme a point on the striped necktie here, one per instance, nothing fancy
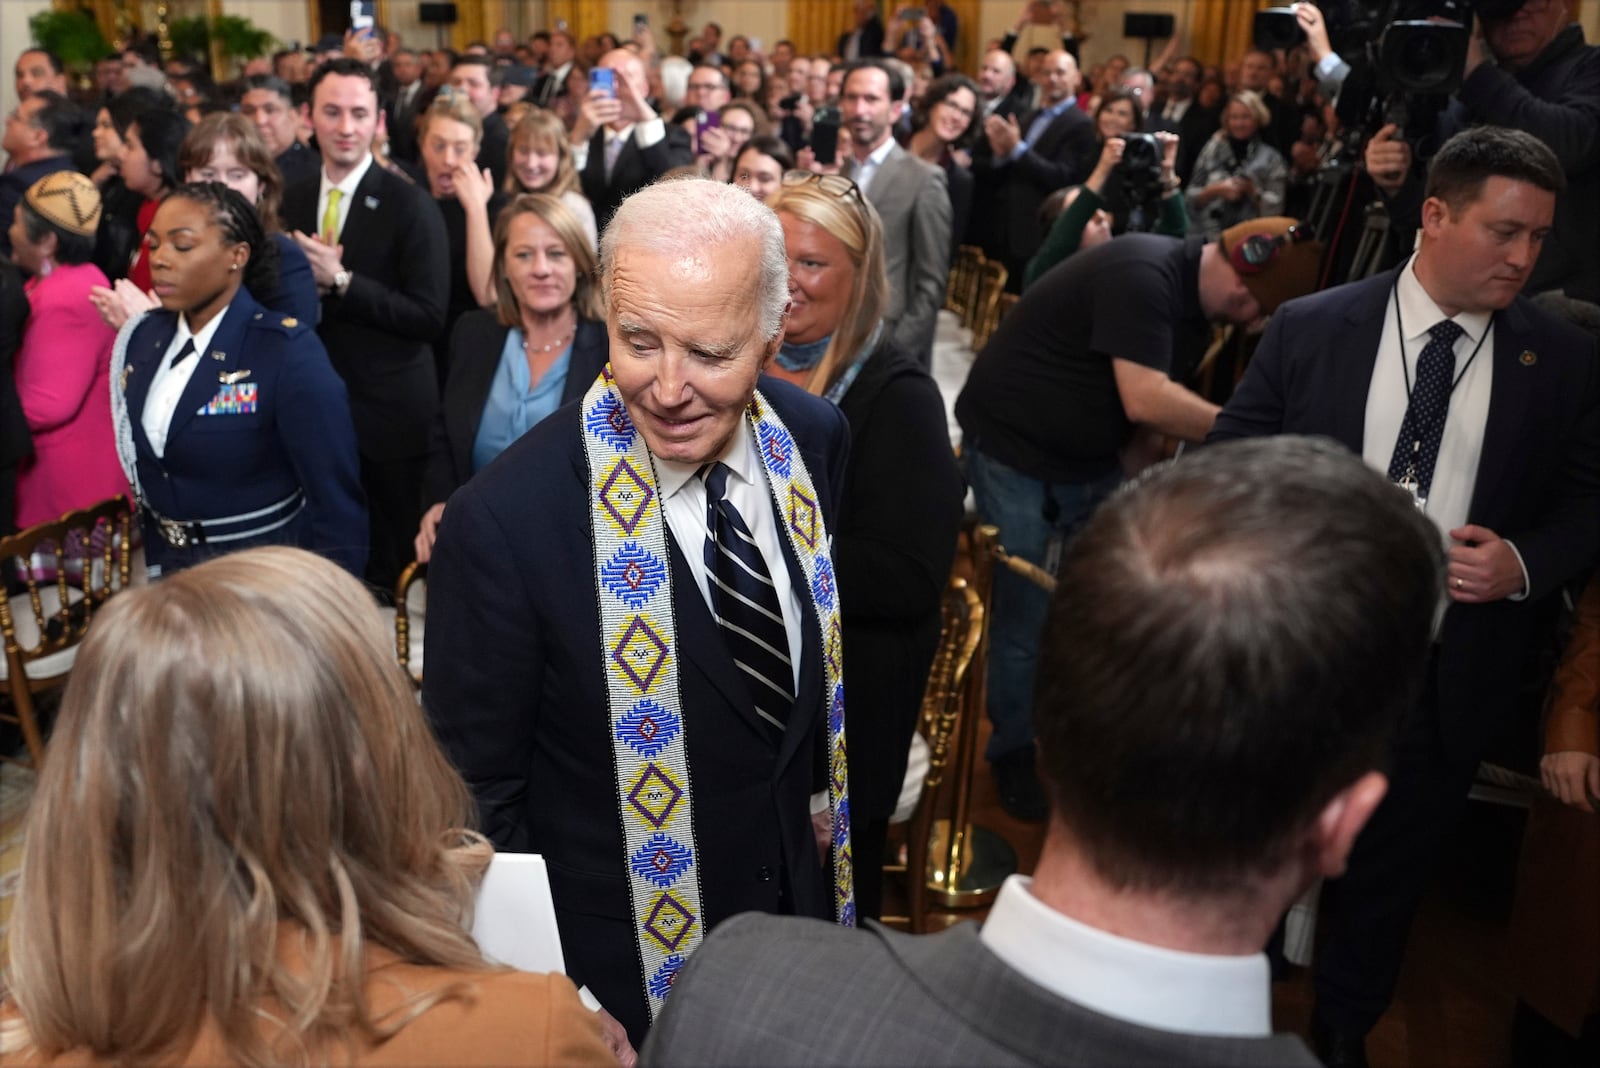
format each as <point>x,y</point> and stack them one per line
<point>745,603</point>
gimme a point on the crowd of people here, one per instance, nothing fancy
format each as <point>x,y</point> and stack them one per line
<point>633,351</point>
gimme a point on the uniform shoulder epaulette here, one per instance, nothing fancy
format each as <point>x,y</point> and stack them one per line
<point>280,324</point>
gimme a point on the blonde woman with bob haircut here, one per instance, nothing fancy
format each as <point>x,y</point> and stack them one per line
<point>541,346</point>
<point>902,497</point>
<point>541,162</point>
<point>247,848</point>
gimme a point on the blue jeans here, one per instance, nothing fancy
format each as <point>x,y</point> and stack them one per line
<point>1018,505</point>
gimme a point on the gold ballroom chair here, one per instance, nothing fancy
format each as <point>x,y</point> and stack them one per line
<point>66,570</point>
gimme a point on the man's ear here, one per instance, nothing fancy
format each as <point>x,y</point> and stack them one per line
<point>1435,213</point>
<point>776,343</point>
<point>1342,818</point>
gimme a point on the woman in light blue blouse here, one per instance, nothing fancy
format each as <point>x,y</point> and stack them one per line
<point>541,346</point>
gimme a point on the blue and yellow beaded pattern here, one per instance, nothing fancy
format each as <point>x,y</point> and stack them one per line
<point>639,645</point>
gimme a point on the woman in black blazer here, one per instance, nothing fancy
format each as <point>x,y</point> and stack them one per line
<point>895,538</point>
<point>541,346</point>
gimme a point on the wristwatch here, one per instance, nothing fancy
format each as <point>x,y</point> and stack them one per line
<point>341,281</point>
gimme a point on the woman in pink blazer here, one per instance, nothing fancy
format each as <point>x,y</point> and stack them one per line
<point>65,357</point>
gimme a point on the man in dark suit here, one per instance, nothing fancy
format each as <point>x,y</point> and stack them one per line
<point>401,111</point>
<point>378,251</point>
<point>1197,788</point>
<point>1053,147</point>
<point>268,102</point>
<point>475,77</point>
<point>1488,411</point>
<point>1182,114</point>
<point>619,143</point>
<point>558,64</point>
<point>866,40</point>
<point>616,698</point>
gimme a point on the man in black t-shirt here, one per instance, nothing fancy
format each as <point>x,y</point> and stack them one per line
<point>1092,353</point>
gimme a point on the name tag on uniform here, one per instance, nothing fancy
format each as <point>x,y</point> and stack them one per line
<point>234,399</point>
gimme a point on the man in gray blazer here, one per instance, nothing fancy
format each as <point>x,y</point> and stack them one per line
<point>911,199</point>
<point>1233,640</point>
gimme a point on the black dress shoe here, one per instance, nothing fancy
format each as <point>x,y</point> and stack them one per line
<point>1338,1049</point>
<point>1020,793</point>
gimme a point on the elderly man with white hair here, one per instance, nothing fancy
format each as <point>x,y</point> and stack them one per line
<point>633,634</point>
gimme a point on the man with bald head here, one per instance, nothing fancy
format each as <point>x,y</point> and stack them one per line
<point>628,648</point>
<point>997,88</point>
<point>1055,146</point>
<point>619,143</point>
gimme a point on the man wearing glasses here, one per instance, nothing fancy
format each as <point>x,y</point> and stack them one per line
<point>1486,411</point>
<point>1077,387</point>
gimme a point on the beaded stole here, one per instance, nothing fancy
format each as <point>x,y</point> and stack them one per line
<point>638,635</point>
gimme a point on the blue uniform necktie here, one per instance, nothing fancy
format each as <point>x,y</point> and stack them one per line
<point>745,603</point>
<point>1417,450</point>
<point>182,354</point>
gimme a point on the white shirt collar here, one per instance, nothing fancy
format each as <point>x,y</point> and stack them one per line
<point>881,153</point>
<point>740,456</point>
<point>202,340</point>
<point>348,185</point>
<point>1163,989</point>
<point>1420,314</point>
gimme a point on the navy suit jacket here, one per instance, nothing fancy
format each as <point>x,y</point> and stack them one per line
<point>1065,153</point>
<point>1538,482</point>
<point>635,168</point>
<point>515,689</point>
<point>299,436</point>
<point>379,333</point>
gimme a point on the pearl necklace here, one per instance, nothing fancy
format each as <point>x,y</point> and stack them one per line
<point>529,348</point>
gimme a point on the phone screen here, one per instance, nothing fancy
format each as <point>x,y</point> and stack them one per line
<point>825,135</point>
<point>363,16</point>
<point>603,78</point>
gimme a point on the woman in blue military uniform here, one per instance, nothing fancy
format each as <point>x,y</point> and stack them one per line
<point>232,425</point>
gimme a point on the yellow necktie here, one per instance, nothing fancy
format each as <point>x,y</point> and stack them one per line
<point>330,217</point>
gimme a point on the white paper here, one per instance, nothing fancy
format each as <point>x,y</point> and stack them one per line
<point>515,919</point>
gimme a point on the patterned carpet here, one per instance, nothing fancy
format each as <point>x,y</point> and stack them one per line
<point>16,787</point>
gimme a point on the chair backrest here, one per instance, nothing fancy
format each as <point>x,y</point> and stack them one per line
<point>961,290</point>
<point>410,594</point>
<point>66,570</point>
<point>945,709</point>
<point>944,699</point>
<point>992,276</point>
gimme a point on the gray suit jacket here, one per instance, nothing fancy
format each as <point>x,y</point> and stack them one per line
<point>911,199</point>
<point>783,991</point>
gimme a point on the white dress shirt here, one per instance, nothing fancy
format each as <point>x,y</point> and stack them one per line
<point>863,170</point>
<point>168,383</point>
<point>1163,989</point>
<point>348,187</point>
<point>645,133</point>
<point>1456,472</point>
<point>683,500</point>
<point>1176,109</point>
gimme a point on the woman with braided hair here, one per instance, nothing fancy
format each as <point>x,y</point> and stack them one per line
<point>232,426</point>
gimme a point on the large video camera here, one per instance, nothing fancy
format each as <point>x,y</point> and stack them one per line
<point>1406,56</point>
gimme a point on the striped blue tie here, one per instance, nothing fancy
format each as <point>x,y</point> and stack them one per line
<point>745,603</point>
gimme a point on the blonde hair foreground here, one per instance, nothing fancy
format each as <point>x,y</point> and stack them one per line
<point>237,750</point>
<point>854,222</point>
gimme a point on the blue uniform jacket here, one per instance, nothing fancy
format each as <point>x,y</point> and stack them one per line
<point>232,449</point>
